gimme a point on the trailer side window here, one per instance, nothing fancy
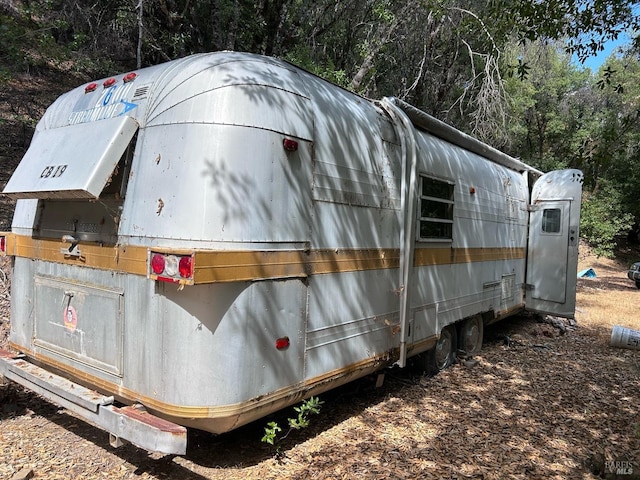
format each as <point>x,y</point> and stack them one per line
<point>551,220</point>
<point>436,209</point>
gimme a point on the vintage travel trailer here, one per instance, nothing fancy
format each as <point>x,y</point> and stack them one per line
<point>206,241</point>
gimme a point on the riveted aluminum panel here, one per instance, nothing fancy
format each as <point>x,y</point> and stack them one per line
<point>220,341</point>
<point>239,185</point>
<point>234,89</point>
<point>75,161</point>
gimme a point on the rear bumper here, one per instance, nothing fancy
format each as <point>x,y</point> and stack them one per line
<point>132,424</point>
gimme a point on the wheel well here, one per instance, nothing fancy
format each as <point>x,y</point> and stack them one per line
<point>487,319</point>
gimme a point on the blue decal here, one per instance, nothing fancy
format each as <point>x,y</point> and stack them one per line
<point>107,97</point>
<point>127,106</point>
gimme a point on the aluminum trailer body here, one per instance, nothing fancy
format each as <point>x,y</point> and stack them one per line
<point>221,236</point>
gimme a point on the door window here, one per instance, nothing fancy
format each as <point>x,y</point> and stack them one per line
<point>551,220</point>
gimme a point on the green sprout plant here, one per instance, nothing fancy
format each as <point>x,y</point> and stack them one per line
<point>309,407</point>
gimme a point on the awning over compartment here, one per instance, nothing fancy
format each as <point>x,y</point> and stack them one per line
<point>75,161</point>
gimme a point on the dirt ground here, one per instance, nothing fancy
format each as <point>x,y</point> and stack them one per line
<point>536,403</point>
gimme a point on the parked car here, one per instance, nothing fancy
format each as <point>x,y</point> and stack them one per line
<point>634,273</point>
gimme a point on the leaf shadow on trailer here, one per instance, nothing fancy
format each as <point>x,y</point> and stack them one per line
<point>246,199</point>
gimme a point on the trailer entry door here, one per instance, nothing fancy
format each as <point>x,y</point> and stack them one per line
<point>548,236</point>
<point>72,162</point>
<point>553,243</point>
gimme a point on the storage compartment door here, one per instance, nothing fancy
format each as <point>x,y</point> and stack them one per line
<point>80,323</point>
<point>75,161</point>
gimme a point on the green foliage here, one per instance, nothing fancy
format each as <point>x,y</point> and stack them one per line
<point>271,432</point>
<point>604,219</point>
<point>519,70</point>
<point>383,12</point>
<point>585,25</point>
<point>307,408</point>
<point>5,76</point>
<point>605,81</point>
<point>565,117</point>
<point>548,104</point>
<point>303,57</point>
<point>12,35</point>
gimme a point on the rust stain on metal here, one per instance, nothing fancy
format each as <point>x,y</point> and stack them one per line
<point>8,354</point>
<point>153,421</point>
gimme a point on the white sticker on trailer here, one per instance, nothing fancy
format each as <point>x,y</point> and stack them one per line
<point>112,103</point>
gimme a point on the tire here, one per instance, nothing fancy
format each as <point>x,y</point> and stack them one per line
<point>471,335</point>
<point>441,356</point>
<point>637,283</point>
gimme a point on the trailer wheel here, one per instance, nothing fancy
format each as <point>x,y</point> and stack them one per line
<point>443,355</point>
<point>471,335</point>
<point>637,283</point>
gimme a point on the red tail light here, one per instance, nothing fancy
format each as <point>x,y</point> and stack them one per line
<point>171,267</point>
<point>157,263</point>
<point>185,267</point>
<point>3,244</point>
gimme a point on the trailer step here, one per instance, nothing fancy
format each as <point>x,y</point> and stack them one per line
<point>131,423</point>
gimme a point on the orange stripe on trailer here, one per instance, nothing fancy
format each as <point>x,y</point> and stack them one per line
<point>212,266</point>
<point>123,258</point>
<point>447,256</point>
